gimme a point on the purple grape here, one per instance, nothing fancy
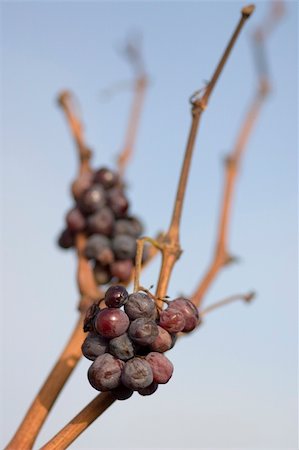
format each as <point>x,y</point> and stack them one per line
<point>116,296</point>
<point>75,220</point>
<point>124,246</point>
<point>122,269</point>
<point>137,374</point>
<point>105,372</point>
<point>102,274</point>
<point>111,322</point>
<point>83,182</point>
<point>161,367</point>
<point>163,341</point>
<point>189,311</point>
<point>93,199</point>
<point>122,392</point>
<point>90,316</point>
<point>66,239</point>
<point>140,305</point>
<point>118,202</point>
<point>98,248</point>
<point>122,347</point>
<point>149,390</point>
<point>131,226</point>
<point>106,178</point>
<point>172,320</point>
<point>101,222</point>
<point>143,331</point>
<point>94,346</point>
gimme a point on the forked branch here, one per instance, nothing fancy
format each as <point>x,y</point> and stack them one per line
<point>222,256</point>
<point>170,245</point>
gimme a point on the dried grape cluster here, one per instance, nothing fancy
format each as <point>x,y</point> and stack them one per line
<point>102,212</point>
<point>128,337</point>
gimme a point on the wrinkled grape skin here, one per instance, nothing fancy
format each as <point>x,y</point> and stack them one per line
<point>143,331</point>
<point>122,392</point>
<point>66,239</point>
<point>105,372</point>
<point>137,374</point>
<point>111,322</point>
<point>106,177</point>
<point>163,341</point>
<point>162,368</point>
<point>102,274</point>
<point>131,226</point>
<point>149,390</point>
<point>98,248</point>
<point>189,311</point>
<point>101,222</point>
<point>122,347</point>
<point>140,305</point>
<point>172,320</point>
<point>116,296</point>
<point>93,199</point>
<point>122,269</point>
<point>94,346</point>
<point>124,246</point>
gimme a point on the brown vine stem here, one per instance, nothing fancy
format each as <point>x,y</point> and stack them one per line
<point>171,250</point>
<point>226,301</point>
<point>170,247</point>
<point>141,82</point>
<point>37,413</point>
<point>222,256</point>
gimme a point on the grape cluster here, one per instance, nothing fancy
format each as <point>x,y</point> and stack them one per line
<point>128,337</point>
<point>102,212</point>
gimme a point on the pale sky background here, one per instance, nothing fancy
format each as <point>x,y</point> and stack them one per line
<point>235,379</point>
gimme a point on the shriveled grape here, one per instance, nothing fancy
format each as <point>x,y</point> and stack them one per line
<point>143,331</point>
<point>161,367</point>
<point>105,372</point>
<point>94,346</point>
<point>172,320</point>
<point>137,374</point>
<point>140,305</point>
<point>122,347</point>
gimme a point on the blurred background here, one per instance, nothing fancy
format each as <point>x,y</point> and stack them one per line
<point>235,379</point>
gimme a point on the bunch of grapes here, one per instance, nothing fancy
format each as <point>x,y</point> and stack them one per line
<point>128,338</point>
<point>102,212</point>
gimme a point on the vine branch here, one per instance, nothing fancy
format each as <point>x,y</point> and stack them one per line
<point>171,249</point>
<point>227,301</point>
<point>222,257</point>
<point>134,55</point>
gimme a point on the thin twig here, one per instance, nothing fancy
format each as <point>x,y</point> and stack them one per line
<point>226,301</point>
<point>222,256</point>
<point>170,251</point>
<point>133,53</point>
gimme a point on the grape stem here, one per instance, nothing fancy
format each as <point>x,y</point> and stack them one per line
<point>222,256</point>
<point>134,55</point>
<point>171,249</point>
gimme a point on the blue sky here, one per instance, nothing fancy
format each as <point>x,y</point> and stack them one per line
<point>235,380</point>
